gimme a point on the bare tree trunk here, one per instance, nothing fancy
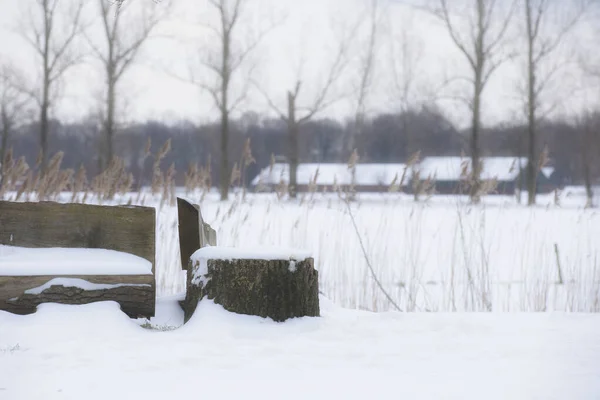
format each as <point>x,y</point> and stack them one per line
<point>45,103</point>
<point>225,174</point>
<point>4,144</point>
<point>13,99</point>
<point>293,132</point>
<point>118,55</point>
<point>539,47</point>
<point>478,85</point>
<point>475,153</point>
<point>586,161</point>
<point>531,105</point>
<point>481,49</point>
<point>44,137</point>
<point>225,79</point>
<point>587,177</point>
<point>56,58</point>
<point>366,79</point>
<point>110,122</point>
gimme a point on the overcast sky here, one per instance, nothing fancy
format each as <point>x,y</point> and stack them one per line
<point>301,45</point>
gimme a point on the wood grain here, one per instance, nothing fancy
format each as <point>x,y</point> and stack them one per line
<point>48,224</point>
<point>194,233</point>
<point>135,301</point>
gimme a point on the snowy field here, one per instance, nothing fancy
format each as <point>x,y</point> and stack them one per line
<point>439,255</point>
<point>95,352</point>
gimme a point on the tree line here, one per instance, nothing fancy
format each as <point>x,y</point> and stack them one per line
<point>487,34</point>
<point>573,149</point>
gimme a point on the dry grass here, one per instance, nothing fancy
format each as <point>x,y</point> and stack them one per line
<point>422,261</point>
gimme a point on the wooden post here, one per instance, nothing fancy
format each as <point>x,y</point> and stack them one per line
<point>194,233</point>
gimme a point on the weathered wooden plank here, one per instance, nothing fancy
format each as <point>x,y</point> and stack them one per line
<point>136,301</point>
<point>11,286</point>
<point>129,229</point>
<point>194,233</point>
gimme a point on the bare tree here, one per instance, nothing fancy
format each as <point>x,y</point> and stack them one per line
<point>52,38</point>
<point>12,104</point>
<point>366,73</point>
<point>482,48</point>
<point>225,66</point>
<point>541,43</point>
<point>409,90</point>
<point>297,115</point>
<point>122,44</point>
<point>590,153</point>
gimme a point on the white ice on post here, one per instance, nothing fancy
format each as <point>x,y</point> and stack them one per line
<point>20,261</point>
<point>200,257</point>
<point>78,283</point>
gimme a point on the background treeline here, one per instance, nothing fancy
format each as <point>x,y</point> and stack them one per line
<point>384,138</point>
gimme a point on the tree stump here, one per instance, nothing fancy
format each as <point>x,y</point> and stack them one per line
<point>277,286</point>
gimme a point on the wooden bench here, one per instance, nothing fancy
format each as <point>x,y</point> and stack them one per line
<point>77,254</point>
<point>194,233</point>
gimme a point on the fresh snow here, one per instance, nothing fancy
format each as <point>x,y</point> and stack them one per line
<point>95,352</point>
<point>17,261</point>
<point>78,283</point>
<point>450,168</point>
<point>200,257</point>
<point>329,174</point>
<point>240,253</point>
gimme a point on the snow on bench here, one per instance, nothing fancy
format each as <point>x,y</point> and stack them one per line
<point>21,261</point>
<point>77,254</point>
<point>78,283</point>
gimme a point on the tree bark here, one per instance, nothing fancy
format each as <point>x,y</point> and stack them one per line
<point>44,134</point>
<point>45,103</point>
<point>276,289</point>
<point>110,121</point>
<point>586,161</point>
<point>225,174</point>
<point>531,107</point>
<point>475,156</point>
<point>293,132</point>
<point>4,145</point>
<point>225,77</point>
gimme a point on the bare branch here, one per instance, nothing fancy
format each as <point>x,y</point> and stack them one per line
<point>367,66</point>
<point>271,103</point>
<point>340,63</point>
<point>444,15</point>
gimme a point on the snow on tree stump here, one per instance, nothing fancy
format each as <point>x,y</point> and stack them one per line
<point>276,284</point>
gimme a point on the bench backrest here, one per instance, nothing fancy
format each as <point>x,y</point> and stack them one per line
<point>194,233</point>
<point>129,229</point>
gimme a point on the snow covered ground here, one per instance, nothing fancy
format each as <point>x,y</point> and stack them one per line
<point>440,254</point>
<point>95,352</point>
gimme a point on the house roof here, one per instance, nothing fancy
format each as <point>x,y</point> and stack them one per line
<point>450,168</point>
<point>328,174</point>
